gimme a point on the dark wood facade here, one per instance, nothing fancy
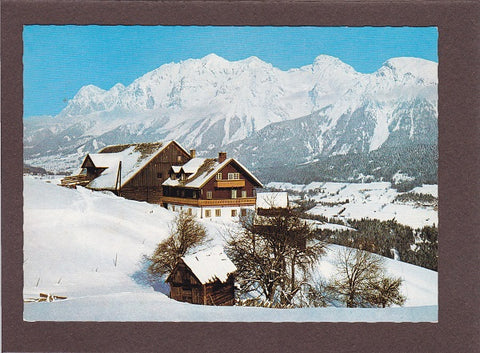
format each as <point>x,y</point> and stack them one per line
<point>185,287</point>
<point>215,192</point>
<point>224,191</point>
<point>146,185</point>
<point>146,182</point>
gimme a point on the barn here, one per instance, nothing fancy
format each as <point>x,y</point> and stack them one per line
<point>134,171</point>
<point>206,277</point>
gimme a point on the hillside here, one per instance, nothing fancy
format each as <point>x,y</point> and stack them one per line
<point>88,246</point>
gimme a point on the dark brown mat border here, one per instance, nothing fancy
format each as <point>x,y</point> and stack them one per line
<point>459,146</point>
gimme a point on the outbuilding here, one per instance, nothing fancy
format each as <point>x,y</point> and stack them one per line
<point>206,277</point>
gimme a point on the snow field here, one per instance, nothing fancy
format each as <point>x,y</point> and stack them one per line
<point>420,285</point>
<point>79,242</point>
<point>365,200</point>
<point>88,245</point>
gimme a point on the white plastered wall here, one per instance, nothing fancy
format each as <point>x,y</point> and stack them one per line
<point>202,212</point>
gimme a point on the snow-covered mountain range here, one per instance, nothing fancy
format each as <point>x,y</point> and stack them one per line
<point>322,109</point>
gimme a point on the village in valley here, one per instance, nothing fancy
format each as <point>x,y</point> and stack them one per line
<point>180,185</point>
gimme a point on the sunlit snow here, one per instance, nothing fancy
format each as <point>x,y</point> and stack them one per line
<point>88,246</point>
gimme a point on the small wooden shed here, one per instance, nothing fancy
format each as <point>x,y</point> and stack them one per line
<point>206,278</point>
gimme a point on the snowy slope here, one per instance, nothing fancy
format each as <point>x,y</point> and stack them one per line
<point>88,246</point>
<point>211,102</point>
<point>365,200</point>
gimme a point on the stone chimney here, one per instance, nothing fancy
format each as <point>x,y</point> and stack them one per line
<point>222,156</point>
<point>193,153</point>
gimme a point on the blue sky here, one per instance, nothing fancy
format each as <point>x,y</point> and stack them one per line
<point>59,60</point>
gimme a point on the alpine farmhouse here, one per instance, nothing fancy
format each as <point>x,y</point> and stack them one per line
<point>211,187</point>
<point>133,171</point>
<point>165,173</point>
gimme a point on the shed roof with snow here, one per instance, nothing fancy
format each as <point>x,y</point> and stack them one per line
<point>210,265</point>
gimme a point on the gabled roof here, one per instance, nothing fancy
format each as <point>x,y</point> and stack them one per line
<point>104,160</point>
<point>203,170</point>
<point>269,200</point>
<point>210,265</point>
<point>134,157</point>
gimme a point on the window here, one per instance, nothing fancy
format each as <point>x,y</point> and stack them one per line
<point>233,176</point>
<point>173,176</point>
<point>219,176</point>
<point>254,192</point>
<point>208,213</point>
<point>234,193</point>
<point>218,212</point>
<point>173,208</point>
<point>244,193</point>
<point>243,212</point>
<point>179,158</point>
<point>209,195</point>
<point>194,194</point>
<point>160,175</point>
<point>183,176</point>
<point>189,212</point>
<point>234,213</point>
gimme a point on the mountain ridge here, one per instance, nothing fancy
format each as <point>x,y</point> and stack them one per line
<point>212,103</point>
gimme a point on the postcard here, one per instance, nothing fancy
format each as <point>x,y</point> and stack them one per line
<point>232,174</point>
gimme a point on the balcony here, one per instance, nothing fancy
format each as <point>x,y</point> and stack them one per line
<point>243,201</point>
<point>232,183</point>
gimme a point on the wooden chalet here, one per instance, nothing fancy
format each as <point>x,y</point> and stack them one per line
<point>133,171</point>
<point>205,278</point>
<point>211,187</point>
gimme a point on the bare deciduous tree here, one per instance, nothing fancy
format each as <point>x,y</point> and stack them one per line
<point>271,251</point>
<point>385,292</point>
<point>361,280</point>
<point>185,233</point>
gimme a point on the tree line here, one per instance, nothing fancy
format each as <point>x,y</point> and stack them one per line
<point>418,247</point>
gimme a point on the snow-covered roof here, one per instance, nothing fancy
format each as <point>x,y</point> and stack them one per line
<point>267,200</point>
<point>104,160</point>
<point>210,265</point>
<point>192,165</point>
<point>133,157</point>
<point>202,170</point>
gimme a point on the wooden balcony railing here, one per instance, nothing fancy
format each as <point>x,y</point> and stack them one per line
<point>238,183</point>
<point>243,201</point>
